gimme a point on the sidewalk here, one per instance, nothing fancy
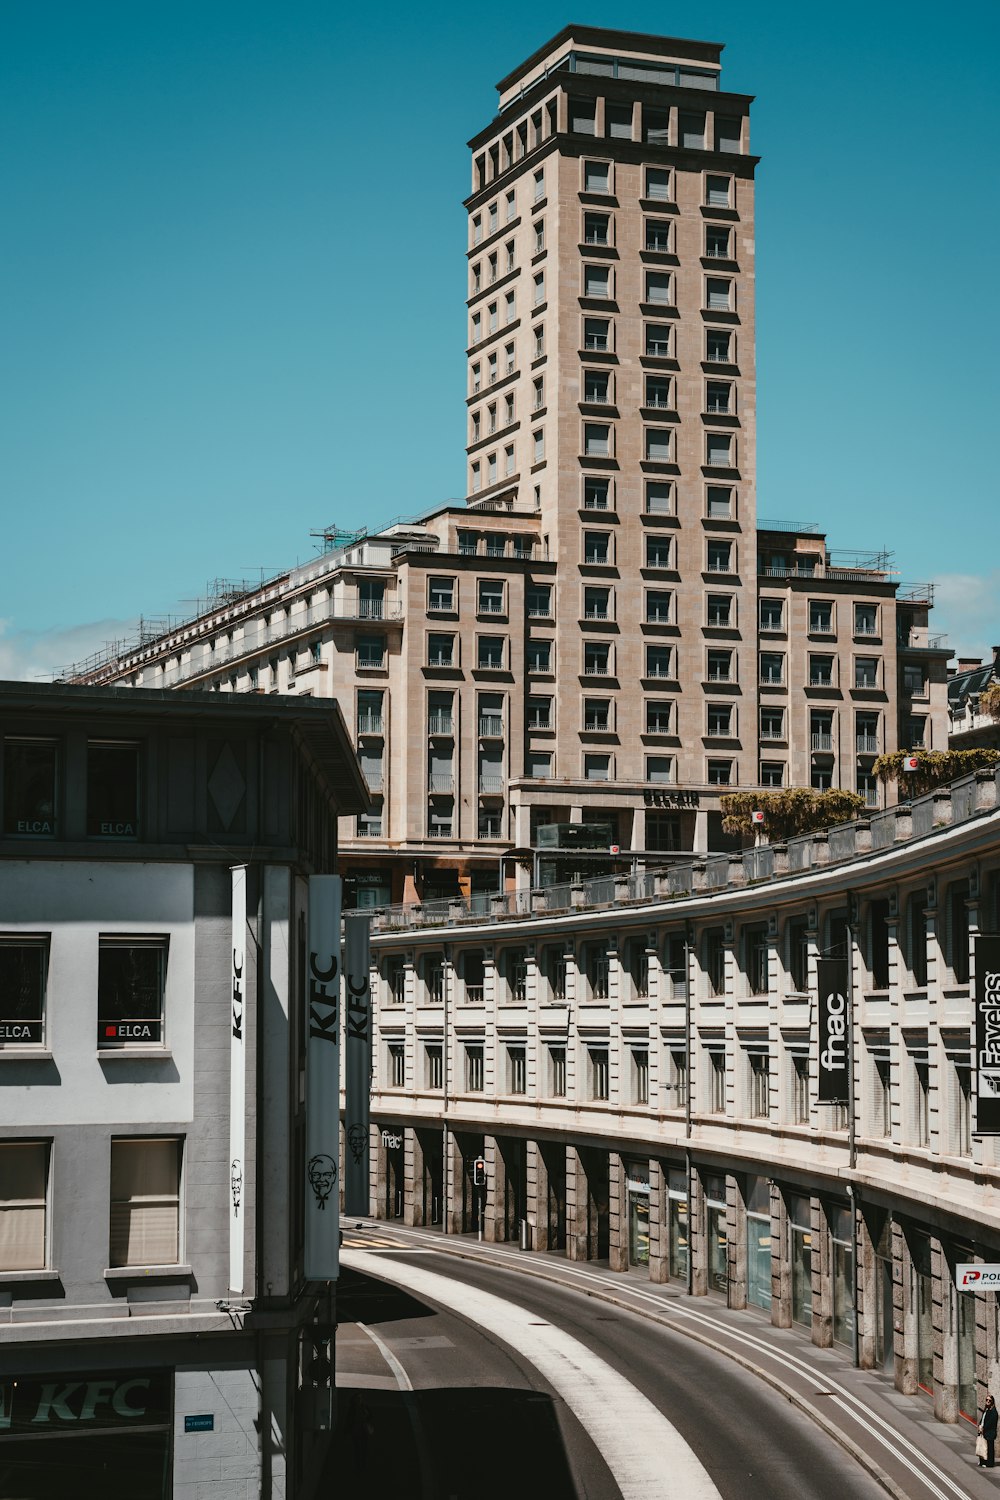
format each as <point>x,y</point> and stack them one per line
<point>895,1437</point>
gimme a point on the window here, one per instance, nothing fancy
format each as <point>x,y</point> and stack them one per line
<point>866,619</point>
<point>476,379</point>
<point>477,328</point>
<point>595,603</point>
<point>113,789</point>
<point>691,130</point>
<point>596,281</point>
<point>914,685</point>
<point>596,386</point>
<point>492,311</point>
<point>440,650</point>
<point>595,228</point>
<point>716,1082</point>
<point>719,398</point>
<point>538,186</point>
<point>658,184</point>
<point>916,937</point>
<point>756,957</point>
<point>658,391</point>
<point>655,125</point>
<point>539,713</point>
<point>596,714</point>
<point>717,238</point>
<point>130,990</point>
<point>508,459</point>
<point>538,764</point>
<point>772,614</point>
<point>145,1202</point>
<point>866,733</point>
<point>821,671</point>
<point>29,788</point>
<point>511,255</point>
<point>538,654</point>
<point>396,1070</point>
<point>491,600</point>
<point>658,660</point>
<point>658,607</point>
<point>719,346</point>
<point>474,1068</point>
<point>477,230</point>
<point>659,769</point>
<point>640,1075</point>
<point>658,717</point>
<point>537,394</point>
<point>477,477</point>
<point>596,333</point>
<point>596,767</point>
<point>866,671</point>
<point>719,450</point>
<point>820,616</point>
<point>658,287</point>
<point>538,446</point>
<point>720,719</point>
<point>719,610</point>
<point>371,652</point>
<point>659,444</point>
<point>658,551</point>
<point>659,498</point>
<point>720,557</point>
<point>23,972</point>
<point>759,1080</point>
<point>658,340</point>
<point>441,594</point>
<point>596,547</point>
<point>720,773</point>
<point>539,337</point>
<point>717,191</point>
<point>658,235</point>
<point>718,293</point>
<point>720,665</point>
<point>538,600</point>
<point>596,177</point>
<point>24,1172</point>
<point>595,493</point>
<point>557,1072</point>
<point>596,439</point>
<point>772,723</point>
<point>494,216</point>
<point>727,134</point>
<point>516,1071</point>
<point>539,288</point>
<point>433,1065</point>
<point>800,1088</point>
<point>511,206</point>
<point>772,773</point>
<point>772,666</point>
<point>599,1073</point>
<point>490,656</point>
<point>618,121</point>
<point>491,468</point>
<point>496,544</point>
<point>509,307</point>
<point>596,656</point>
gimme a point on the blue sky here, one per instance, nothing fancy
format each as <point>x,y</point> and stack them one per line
<point>232,260</point>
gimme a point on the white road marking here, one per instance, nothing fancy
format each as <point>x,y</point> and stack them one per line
<point>646,1454</point>
<point>402,1379</point>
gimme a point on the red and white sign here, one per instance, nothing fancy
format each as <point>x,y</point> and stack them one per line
<point>972,1278</point>
<point>911,763</point>
<point>756,817</point>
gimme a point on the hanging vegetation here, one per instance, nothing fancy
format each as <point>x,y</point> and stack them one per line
<point>788,812</point>
<point>989,701</point>
<point>933,768</point>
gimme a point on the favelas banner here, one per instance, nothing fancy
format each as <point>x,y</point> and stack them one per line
<point>834,1031</point>
<point>357,1060</point>
<point>322,1028</point>
<point>987,1109</point>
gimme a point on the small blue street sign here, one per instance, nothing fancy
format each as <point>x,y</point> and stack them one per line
<point>204,1422</point>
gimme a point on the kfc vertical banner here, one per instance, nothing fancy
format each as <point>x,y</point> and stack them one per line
<point>358,1060</point>
<point>237,1077</point>
<point>834,1031</point>
<point>322,1023</point>
<point>987,1107</point>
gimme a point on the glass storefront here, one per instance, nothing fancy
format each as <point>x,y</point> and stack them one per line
<point>100,1434</point>
<point>677,1204</point>
<point>715,1229</point>
<point>758,1202</point>
<point>843,1273</point>
<point>800,1238</point>
<point>637,1173</point>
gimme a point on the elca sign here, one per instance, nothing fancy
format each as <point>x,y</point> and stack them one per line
<point>984,1278</point>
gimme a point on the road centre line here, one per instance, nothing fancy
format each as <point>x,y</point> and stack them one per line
<point>647,1457</point>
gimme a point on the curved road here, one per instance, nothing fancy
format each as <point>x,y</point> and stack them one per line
<point>530,1389</point>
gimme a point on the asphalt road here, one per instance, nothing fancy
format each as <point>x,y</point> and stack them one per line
<point>484,1419</point>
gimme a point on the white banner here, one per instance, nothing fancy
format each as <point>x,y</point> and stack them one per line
<point>983,1278</point>
<point>357,1062</point>
<point>322,1023</point>
<point>237,1078</point>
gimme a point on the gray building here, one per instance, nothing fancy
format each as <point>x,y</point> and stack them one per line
<point>153,1306</point>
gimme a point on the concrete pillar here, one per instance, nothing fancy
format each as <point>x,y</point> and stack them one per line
<point>701,830</point>
<point>618,1225</point>
<point>577,1206</point>
<point>413,1197</point>
<point>454,1190</point>
<point>380,1157</point>
<point>494,1229</point>
<point>537,1196</point>
<point>638,828</point>
<point>659,1223</point>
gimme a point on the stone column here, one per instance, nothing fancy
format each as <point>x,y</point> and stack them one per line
<point>454,1186</point>
<point>413,1194</point>
<point>577,1206</point>
<point>495,1226</point>
<point>380,1157</point>
<point>537,1195</point>
<point>659,1223</point>
<point>618,1214</point>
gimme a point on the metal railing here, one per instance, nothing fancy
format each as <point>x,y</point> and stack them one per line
<point>866,744</point>
<point>440,724</point>
<point>491,786</point>
<point>822,741</point>
<point>440,782</point>
<point>969,798</point>
<point>370,723</point>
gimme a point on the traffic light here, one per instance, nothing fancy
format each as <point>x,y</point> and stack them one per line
<point>479,1172</point>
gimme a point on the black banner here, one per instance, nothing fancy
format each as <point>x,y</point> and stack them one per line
<point>83,1403</point>
<point>987,1101</point>
<point>833,1013</point>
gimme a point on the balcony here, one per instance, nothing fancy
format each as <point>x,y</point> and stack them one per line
<point>441,783</point>
<point>541,725</point>
<point>595,612</point>
<point>374,780</point>
<point>370,724</point>
<point>369,830</point>
<point>491,786</point>
<point>475,994</point>
<point>598,725</point>
<point>440,724</point>
<point>491,606</point>
<point>490,727</point>
<point>866,744</point>
<point>371,663</point>
<point>821,680</point>
<point>822,742</point>
<point>539,611</point>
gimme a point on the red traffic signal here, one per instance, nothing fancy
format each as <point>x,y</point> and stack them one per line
<point>479,1172</point>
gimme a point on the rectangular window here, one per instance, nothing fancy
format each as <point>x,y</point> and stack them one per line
<point>800,1088</point>
<point>596,655</point>
<point>491,600</point>
<point>557,1072</point>
<point>131,980</point>
<point>658,391</point>
<point>719,398</point>
<point>719,346</point>
<point>659,444</point>
<point>597,767</point>
<point>434,1069</point>
<point>640,1075</point>
<point>440,650</point>
<point>596,386</point>
<point>866,619</point>
<point>595,493</point>
<point>658,607</point>
<point>655,125</point>
<point>659,498</point>
<point>720,773</point>
<point>719,719</point>
<point>538,600</point>
<point>772,773</point>
<point>538,764</point>
<point>772,723</point>
<point>24,1171</point>
<point>658,717</point>
<point>145,1202</point>
<point>473,1068</point>
<point>23,972</point>
<point>658,662</point>
<point>759,1079</point>
<point>516,1070</point>
<point>112,789</point>
<point>720,557</point>
<point>720,665</point>
<point>29,788</point>
<point>596,547</point>
<point>866,671</point>
<point>772,614</point>
<point>658,184</point>
<point>727,134</point>
<point>595,229</point>
<point>659,769</point>
<point>599,1073</point>
<point>820,616</point>
<point>490,653</point>
<point>717,241</point>
<point>595,603</point>
<point>658,237</point>
<point>717,1082</point>
<point>538,654</point>
<point>719,450</point>
<point>596,439</point>
<point>441,594</point>
<point>618,121</point>
<point>692,130</point>
<point>717,191</point>
<point>596,335</point>
<point>821,671</point>
<point>719,611</point>
<point>396,1057</point>
<point>597,281</point>
<point>658,287</point>
<point>772,666</point>
<point>658,340</point>
<point>658,551</point>
<point>718,293</point>
<point>596,177</point>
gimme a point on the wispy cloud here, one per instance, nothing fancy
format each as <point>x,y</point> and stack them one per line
<point>37,655</point>
<point>967,607</point>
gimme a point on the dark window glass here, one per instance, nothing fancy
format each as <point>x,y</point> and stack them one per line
<point>29,787</point>
<point>130,993</point>
<point>22,991</point>
<point>113,791</point>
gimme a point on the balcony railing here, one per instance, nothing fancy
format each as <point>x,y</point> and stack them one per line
<point>490,726</point>
<point>595,612</point>
<point>539,724</point>
<point>596,726</point>
<point>374,780</point>
<point>491,786</point>
<point>866,744</point>
<point>369,830</point>
<point>822,742</point>
<point>491,606</point>
<point>440,782</point>
<point>370,663</point>
<point>370,723</point>
<point>440,724</point>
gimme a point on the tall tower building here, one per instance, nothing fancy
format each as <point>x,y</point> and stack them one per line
<point>612,390</point>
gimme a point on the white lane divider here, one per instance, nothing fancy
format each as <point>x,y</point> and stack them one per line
<point>401,1377</point>
<point>647,1456</point>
